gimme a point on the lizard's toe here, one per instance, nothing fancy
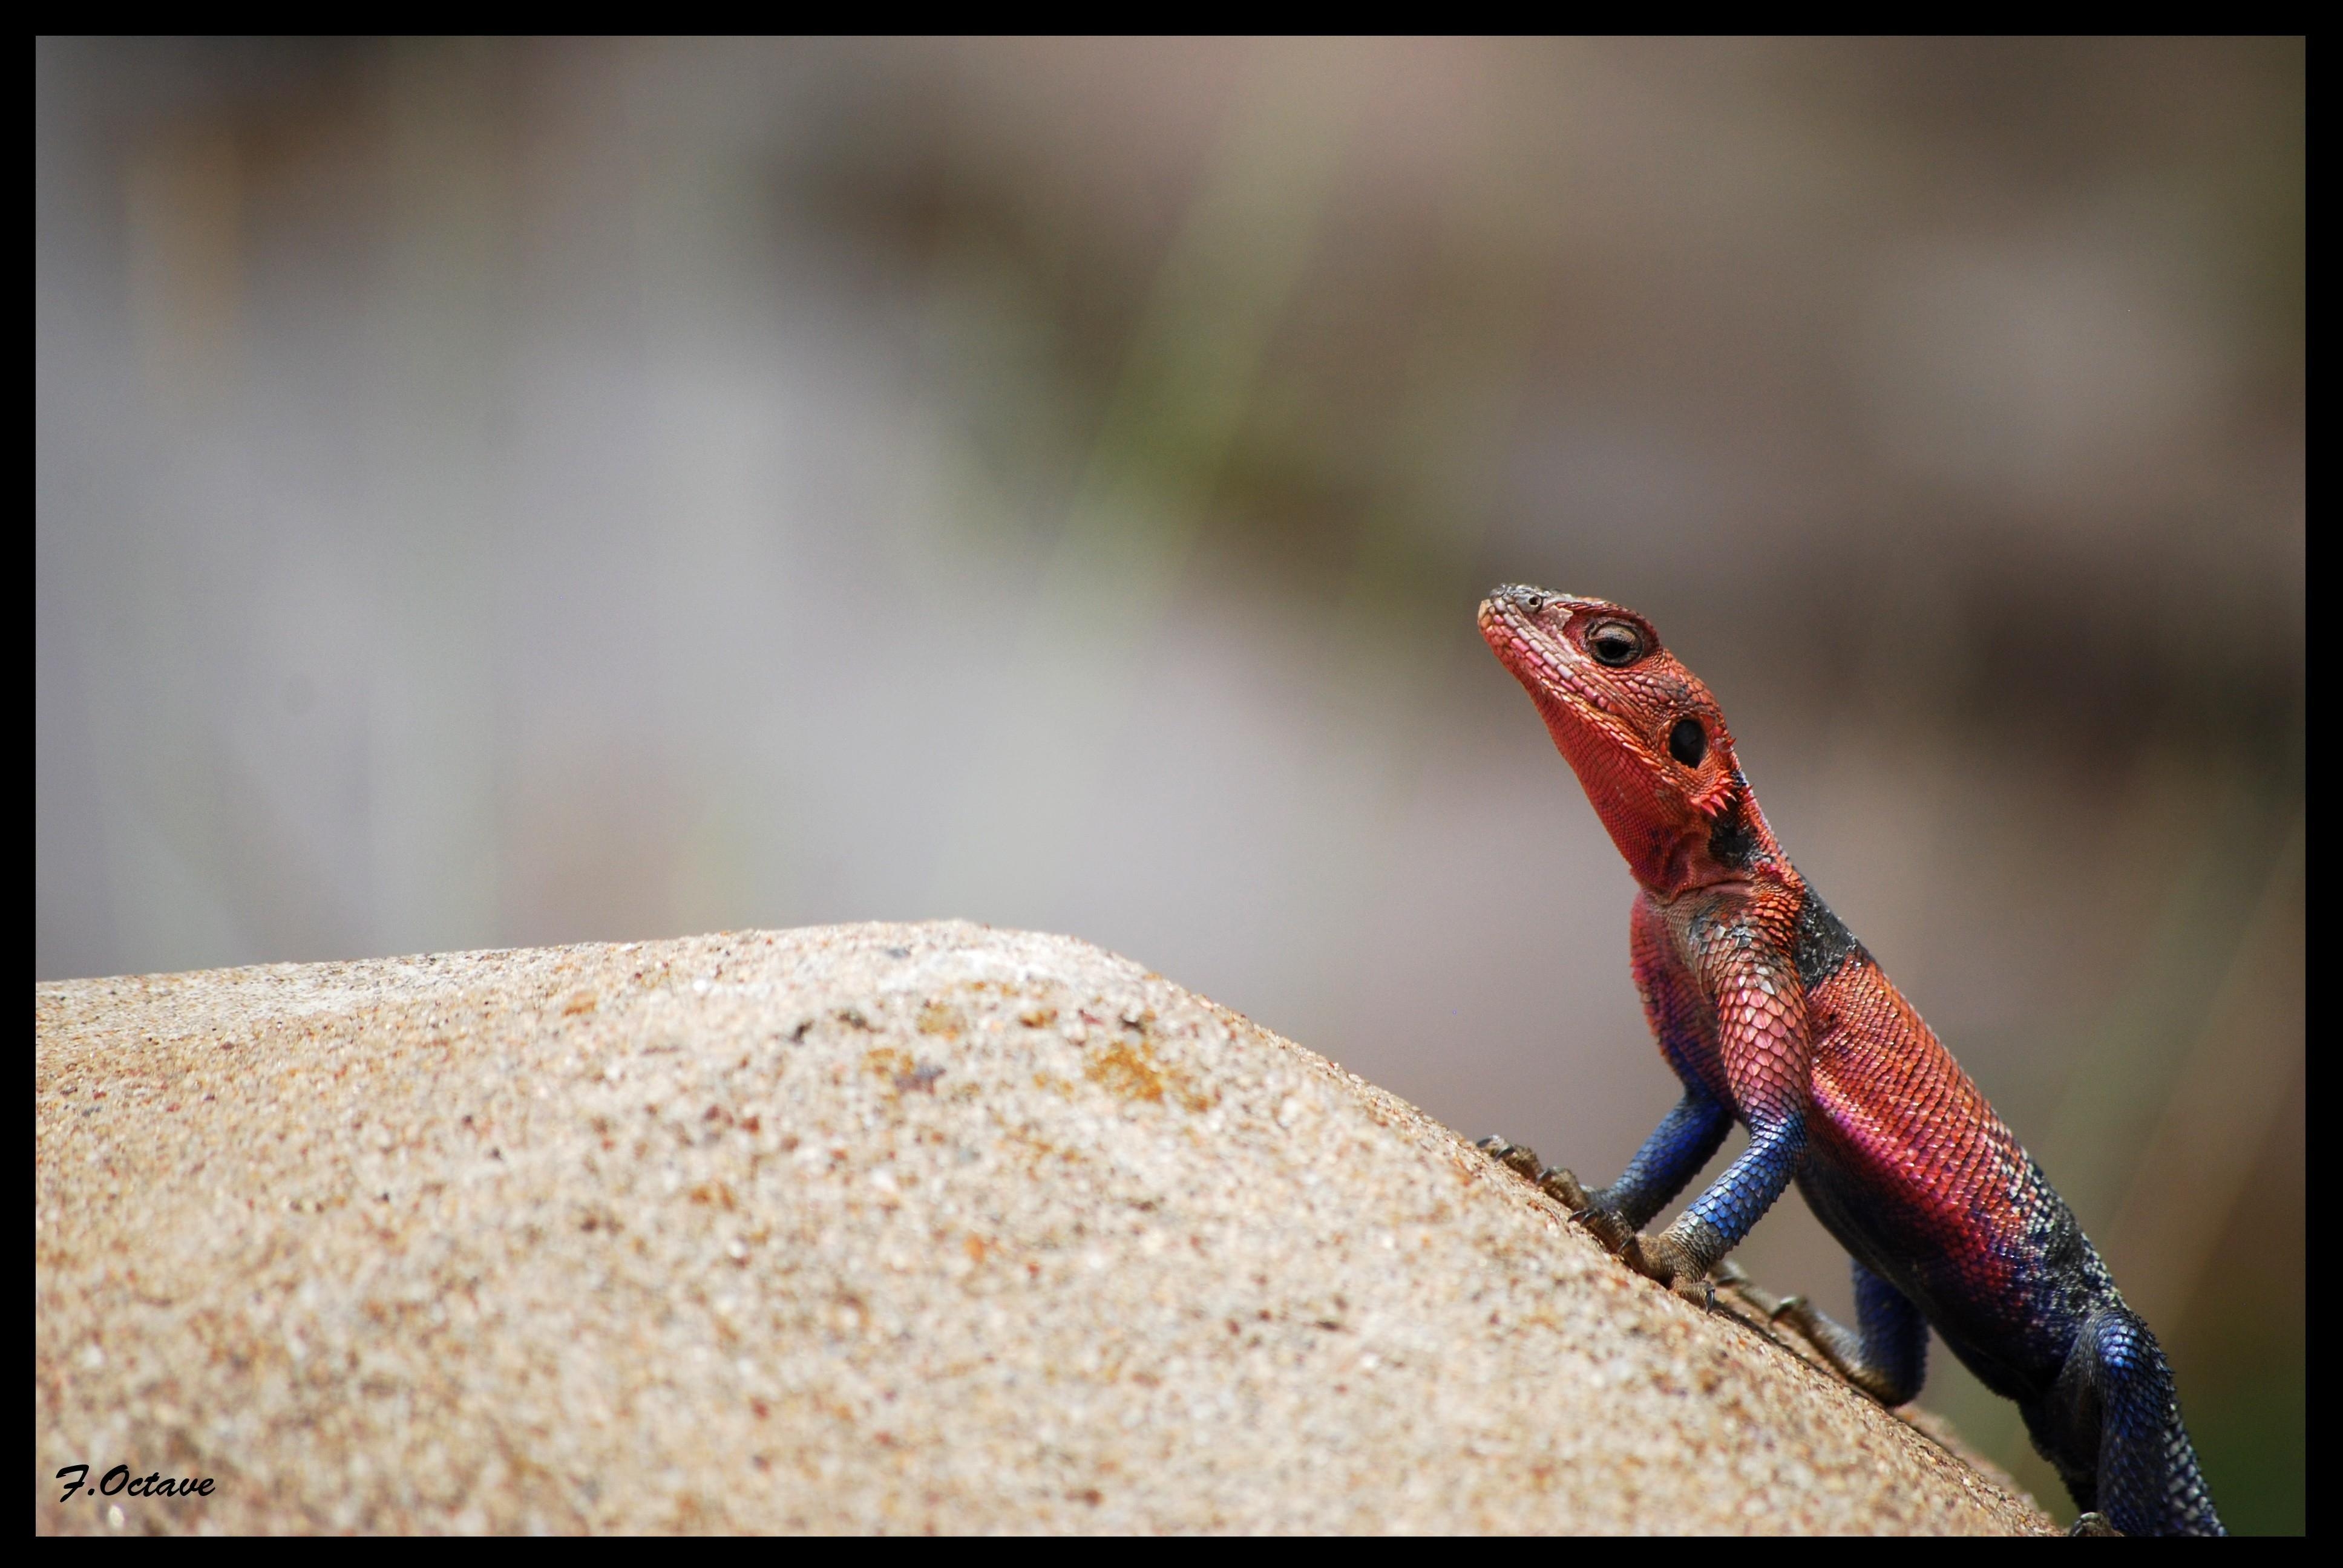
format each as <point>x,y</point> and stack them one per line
<point>1521,1160</point>
<point>1696,1291</point>
<point>1609,1229</point>
<point>1565,1189</point>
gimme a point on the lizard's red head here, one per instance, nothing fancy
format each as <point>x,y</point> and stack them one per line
<point>1642,734</point>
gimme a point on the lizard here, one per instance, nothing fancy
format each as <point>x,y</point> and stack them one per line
<point>1773,1014</point>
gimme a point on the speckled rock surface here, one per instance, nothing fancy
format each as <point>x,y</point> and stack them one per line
<point>858,1227</point>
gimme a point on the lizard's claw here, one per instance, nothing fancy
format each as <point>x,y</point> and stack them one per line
<point>1586,1210</point>
<point>1562,1187</point>
<point>1668,1260</point>
<point>1521,1160</point>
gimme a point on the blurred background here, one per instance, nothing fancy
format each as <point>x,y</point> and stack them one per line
<point>506,493</point>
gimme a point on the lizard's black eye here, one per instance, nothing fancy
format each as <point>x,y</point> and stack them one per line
<point>1688,742</point>
<point>1616,643</point>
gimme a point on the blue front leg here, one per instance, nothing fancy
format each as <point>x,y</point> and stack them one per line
<point>1673,1155</point>
<point>1720,1217</point>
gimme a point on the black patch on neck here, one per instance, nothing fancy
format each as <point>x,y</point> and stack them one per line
<point>1730,843</point>
<point>1821,943</point>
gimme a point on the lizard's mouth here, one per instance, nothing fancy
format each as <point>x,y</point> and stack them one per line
<point>1581,712</point>
<point>1541,659</point>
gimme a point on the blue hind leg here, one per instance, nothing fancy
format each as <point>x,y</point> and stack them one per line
<point>2112,1427</point>
<point>1886,1355</point>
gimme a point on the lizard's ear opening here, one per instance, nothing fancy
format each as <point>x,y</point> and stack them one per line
<point>1688,742</point>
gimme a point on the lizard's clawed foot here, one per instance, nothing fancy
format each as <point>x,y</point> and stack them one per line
<point>1662,1257</point>
<point>1672,1263</point>
<point>2093,1523</point>
<point>1585,1208</point>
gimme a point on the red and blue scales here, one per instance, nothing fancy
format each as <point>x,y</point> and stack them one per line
<point>1772,1014</point>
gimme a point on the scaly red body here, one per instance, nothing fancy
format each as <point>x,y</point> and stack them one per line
<point>1773,1014</point>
